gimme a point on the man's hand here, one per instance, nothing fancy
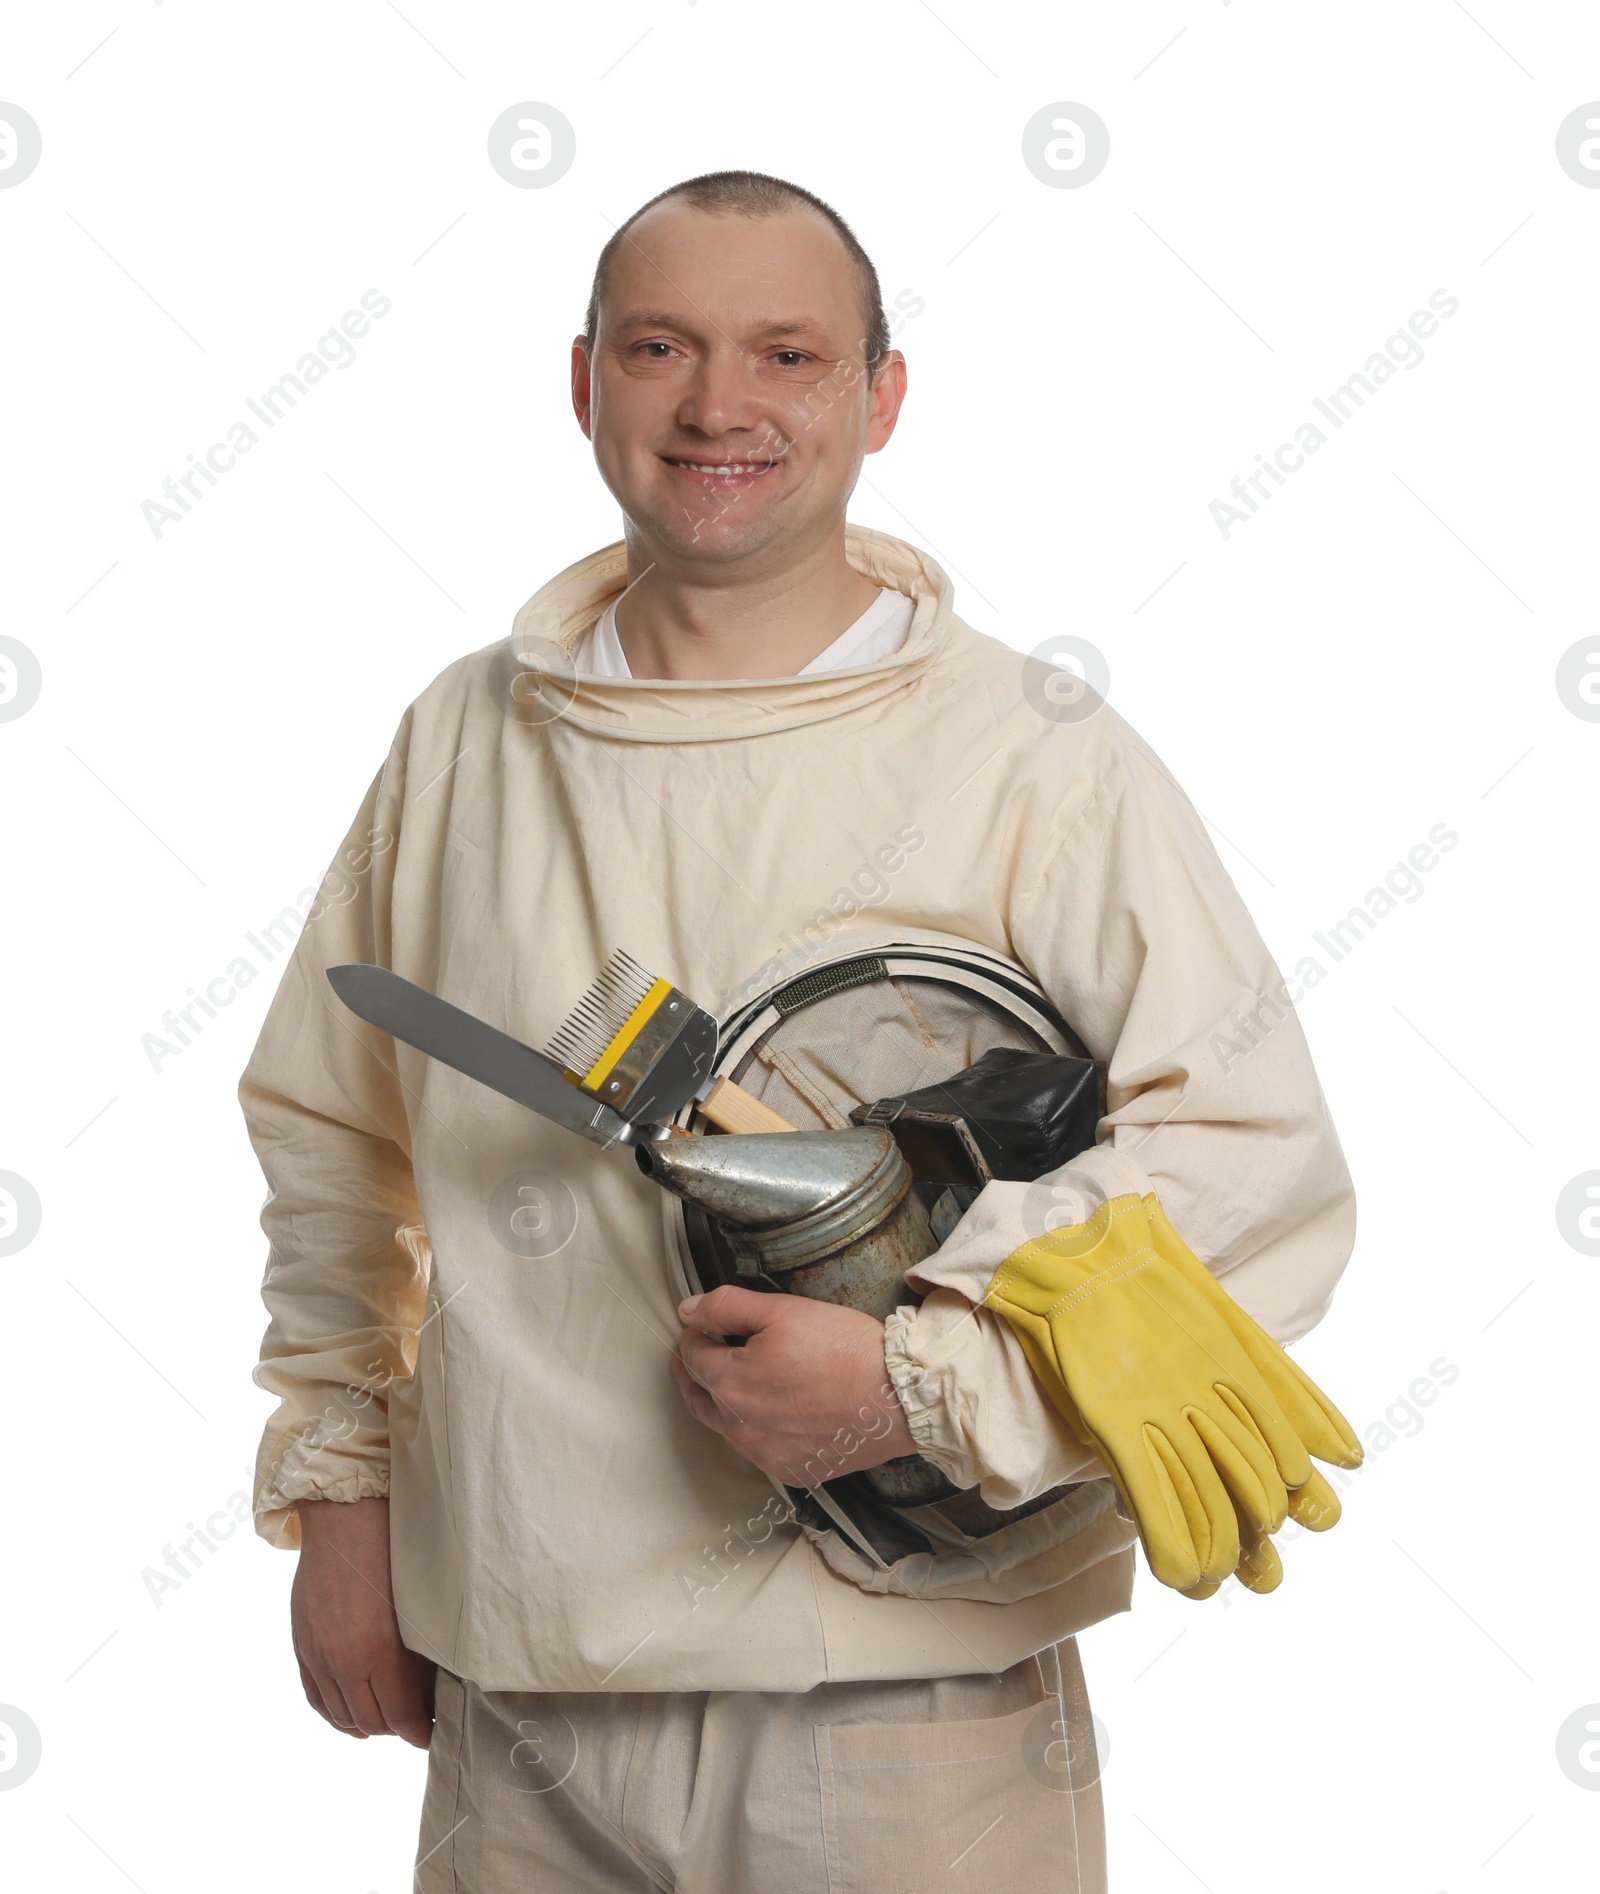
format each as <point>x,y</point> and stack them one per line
<point>807,1397</point>
<point>356,1671</point>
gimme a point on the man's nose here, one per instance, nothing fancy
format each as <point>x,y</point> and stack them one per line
<point>724,397</point>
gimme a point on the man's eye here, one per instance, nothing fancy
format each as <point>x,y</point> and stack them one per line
<point>798,355</point>
<point>655,345</point>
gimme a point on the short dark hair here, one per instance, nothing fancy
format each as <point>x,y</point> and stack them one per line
<point>755,194</point>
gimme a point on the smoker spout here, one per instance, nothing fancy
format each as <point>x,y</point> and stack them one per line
<point>764,1178</point>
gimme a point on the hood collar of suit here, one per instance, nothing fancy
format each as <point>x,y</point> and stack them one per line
<point>663,710</point>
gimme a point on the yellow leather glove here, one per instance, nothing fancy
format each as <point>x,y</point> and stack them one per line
<point>1204,1422</point>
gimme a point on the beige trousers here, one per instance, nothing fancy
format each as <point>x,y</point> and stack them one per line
<point>951,1786</point>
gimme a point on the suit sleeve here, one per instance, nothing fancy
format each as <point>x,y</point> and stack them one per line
<point>1137,933</point>
<point>347,1257</point>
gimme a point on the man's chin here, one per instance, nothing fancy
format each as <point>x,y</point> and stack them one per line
<point>709,536</point>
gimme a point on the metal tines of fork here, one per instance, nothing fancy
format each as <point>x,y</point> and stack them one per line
<point>621,988</point>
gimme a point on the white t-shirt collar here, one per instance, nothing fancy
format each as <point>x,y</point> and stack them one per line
<point>878,633</point>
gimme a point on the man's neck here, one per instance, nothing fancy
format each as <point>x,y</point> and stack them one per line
<point>676,621</point>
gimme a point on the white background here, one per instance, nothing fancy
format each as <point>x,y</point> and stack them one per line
<point>1372,654</point>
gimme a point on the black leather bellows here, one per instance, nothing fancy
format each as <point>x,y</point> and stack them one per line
<point>1013,1115</point>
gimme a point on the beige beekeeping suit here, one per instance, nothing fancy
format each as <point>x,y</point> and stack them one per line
<point>506,1381</point>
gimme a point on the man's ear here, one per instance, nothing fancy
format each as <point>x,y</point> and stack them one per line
<point>582,385</point>
<point>886,392</point>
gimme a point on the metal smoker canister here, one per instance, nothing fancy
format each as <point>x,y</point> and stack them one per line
<point>825,1214</point>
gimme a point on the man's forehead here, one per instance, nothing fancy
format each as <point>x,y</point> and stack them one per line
<point>756,324</point>
<point>781,274</point>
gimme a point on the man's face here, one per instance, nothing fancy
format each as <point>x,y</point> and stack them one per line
<point>727,399</point>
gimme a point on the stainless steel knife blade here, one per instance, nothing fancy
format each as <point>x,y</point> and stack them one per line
<point>471,1045</point>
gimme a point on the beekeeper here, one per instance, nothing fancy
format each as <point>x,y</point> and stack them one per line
<point>551,1520</point>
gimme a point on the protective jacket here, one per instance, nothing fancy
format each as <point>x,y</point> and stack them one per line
<point>472,1311</point>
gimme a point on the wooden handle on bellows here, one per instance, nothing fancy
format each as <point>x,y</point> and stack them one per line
<point>731,1108</point>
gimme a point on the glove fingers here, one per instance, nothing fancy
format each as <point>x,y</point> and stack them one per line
<point>1210,1524</point>
<point>1159,1498</point>
<point>1321,1427</point>
<point>1319,1423</point>
<point>1243,1460</point>
<point>1259,1569</point>
<point>1171,1521</point>
<point>1178,1527</point>
<point>1315,1505</point>
<point>1250,1396</point>
<point>1257,1409</point>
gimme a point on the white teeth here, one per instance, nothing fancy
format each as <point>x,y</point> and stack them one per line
<point>695,468</point>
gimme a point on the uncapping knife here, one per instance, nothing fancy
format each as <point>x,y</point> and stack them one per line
<point>471,1045</point>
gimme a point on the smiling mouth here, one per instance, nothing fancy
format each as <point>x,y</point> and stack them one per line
<point>721,472</point>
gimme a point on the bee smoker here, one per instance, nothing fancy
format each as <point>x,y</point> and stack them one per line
<point>826,1214</point>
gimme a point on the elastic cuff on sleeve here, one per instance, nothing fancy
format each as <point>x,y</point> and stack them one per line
<point>975,1407</point>
<point>276,1518</point>
<point>926,1394</point>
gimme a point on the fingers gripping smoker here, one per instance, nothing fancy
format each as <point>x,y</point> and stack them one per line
<point>832,1215</point>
